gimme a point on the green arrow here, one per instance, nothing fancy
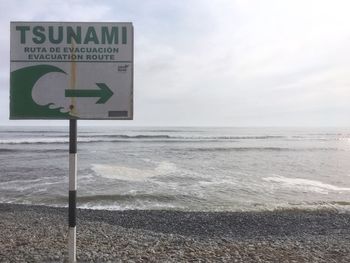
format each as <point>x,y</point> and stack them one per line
<point>104,93</point>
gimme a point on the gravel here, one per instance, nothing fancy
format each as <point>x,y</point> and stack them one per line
<point>39,234</point>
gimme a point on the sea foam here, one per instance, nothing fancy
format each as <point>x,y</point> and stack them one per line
<point>133,174</point>
<point>305,184</point>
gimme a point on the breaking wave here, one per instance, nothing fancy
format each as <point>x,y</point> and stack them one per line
<point>305,184</point>
<point>117,138</point>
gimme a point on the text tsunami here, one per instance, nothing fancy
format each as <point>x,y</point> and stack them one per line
<point>72,35</point>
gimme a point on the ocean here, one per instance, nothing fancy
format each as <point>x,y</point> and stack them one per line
<point>179,168</point>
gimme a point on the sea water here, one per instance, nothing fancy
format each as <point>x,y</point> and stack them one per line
<point>191,169</point>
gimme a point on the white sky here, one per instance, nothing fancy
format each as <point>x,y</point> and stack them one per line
<point>217,63</point>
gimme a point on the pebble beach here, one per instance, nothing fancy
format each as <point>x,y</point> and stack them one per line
<point>39,234</point>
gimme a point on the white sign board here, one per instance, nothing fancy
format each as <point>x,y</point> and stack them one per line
<point>71,70</point>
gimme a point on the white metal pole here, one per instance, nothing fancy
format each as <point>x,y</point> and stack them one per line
<point>72,235</point>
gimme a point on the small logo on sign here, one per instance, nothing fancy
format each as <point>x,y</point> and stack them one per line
<point>123,68</point>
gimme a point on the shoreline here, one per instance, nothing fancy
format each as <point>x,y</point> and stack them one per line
<point>39,234</point>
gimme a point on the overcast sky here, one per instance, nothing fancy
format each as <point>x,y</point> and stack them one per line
<point>217,62</point>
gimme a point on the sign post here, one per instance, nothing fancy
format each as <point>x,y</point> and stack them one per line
<point>71,71</point>
<point>72,202</point>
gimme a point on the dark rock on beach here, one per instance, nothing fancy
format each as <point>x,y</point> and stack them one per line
<point>39,234</point>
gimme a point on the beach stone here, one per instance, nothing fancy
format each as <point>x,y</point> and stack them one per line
<point>39,234</point>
